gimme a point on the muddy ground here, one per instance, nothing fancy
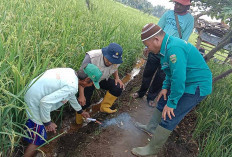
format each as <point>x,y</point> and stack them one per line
<point>117,135</point>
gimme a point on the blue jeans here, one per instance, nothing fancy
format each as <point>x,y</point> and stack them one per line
<point>186,103</point>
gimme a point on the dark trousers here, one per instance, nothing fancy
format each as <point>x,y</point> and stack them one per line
<point>109,85</point>
<point>152,65</point>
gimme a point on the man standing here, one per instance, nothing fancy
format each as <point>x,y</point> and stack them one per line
<point>169,25</point>
<point>188,81</point>
<point>48,92</point>
<point>107,60</point>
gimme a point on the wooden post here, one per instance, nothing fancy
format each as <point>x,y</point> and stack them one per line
<point>222,75</point>
<point>199,40</point>
<point>228,57</point>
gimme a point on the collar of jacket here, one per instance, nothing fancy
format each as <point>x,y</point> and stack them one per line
<point>164,44</point>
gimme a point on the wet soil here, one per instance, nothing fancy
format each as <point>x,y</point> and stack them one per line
<point>119,136</point>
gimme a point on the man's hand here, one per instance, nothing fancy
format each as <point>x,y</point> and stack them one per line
<point>51,127</point>
<point>145,52</point>
<point>82,100</point>
<point>163,92</point>
<point>168,111</point>
<point>85,114</point>
<point>64,102</point>
<point>120,83</point>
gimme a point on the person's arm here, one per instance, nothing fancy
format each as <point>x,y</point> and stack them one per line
<point>53,98</point>
<point>117,80</point>
<point>189,29</point>
<point>178,65</point>
<point>86,60</point>
<point>166,83</point>
<point>81,97</point>
<point>74,103</point>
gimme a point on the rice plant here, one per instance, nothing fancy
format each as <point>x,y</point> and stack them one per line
<point>213,129</point>
<point>38,35</point>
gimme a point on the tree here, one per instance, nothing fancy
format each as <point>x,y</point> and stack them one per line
<point>142,5</point>
<point>159,10</point>
<point>220,10</point>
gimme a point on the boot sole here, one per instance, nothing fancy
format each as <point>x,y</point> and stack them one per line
<point>150,134</point>
<point>147,132</point>
<point>135,154</point>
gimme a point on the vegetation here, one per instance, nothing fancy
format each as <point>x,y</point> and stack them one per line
<point>213,129</point>
<point>38,35</point>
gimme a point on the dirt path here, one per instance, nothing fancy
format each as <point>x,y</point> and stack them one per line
<point>119,135</point>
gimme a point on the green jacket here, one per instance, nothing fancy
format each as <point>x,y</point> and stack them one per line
<point>185,69</point>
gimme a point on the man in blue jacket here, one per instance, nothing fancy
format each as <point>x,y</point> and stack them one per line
<point>168,23</point>
<point>188,81</point>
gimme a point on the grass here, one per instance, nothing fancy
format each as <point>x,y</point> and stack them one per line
<point>213,129</point>
<point>39,35</point>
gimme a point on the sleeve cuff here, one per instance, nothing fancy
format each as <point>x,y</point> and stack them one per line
<point>165,87</point>
<point>171,104</point>
<point>80,112</point>
<point>46,124</point>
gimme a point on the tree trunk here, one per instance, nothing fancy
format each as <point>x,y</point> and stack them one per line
<point>199,40</point>
<point>226,40</point>
<point>222,75</point>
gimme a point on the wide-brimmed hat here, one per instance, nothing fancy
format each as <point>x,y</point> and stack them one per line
<point>183,2</point>
<point>93,73</point>
<point>113,53</point>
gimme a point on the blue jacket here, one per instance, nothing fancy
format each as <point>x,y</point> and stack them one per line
<point>168,23</point>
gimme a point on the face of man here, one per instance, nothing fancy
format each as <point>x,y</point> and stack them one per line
<point>153,45</point>
<point>107,62</point>
<point>87,82</point>
<point>179,8</point>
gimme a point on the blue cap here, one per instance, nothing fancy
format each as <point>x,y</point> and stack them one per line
<point>113,53</point>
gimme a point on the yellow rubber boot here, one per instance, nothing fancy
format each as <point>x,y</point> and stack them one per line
<point>79,118</point>
<point>107,102</point>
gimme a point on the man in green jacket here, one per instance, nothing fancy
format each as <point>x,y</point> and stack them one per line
<point>188,81</point>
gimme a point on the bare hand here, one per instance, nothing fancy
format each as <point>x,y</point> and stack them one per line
<point>168,111</point>
<point>145,52</point>
<point>64,102</point>
<point>120,83</point>
<point>163,92</point>
<point>51,127</point>
<point>85,114</point>
<point>82,100</point>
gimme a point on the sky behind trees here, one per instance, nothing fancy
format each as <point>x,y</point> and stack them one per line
<point>166,3</point>
<point>170,5</point>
